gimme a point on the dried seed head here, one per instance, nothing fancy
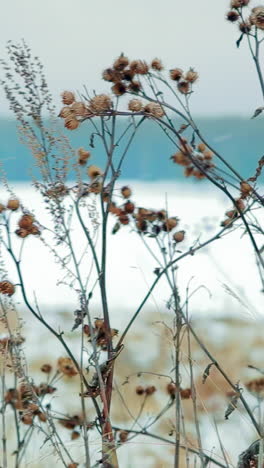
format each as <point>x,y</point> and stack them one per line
<point>156,64</point>
<point>191,76</point>
<point>71,123</point>
<point>245,27</point>
<point>227,222</point>
<point>186,393</point>
<point>232,16</point>
<point>188,171</point>
<point>94,171</point>
<point>245,188</point>
<point>111,75</point>
<point>154,109</point>
<point>176,74</point>
<point>100,103</point>
<point>7,288</point>
<point>139,67</point>
<point>34,230</point>
<point>42,416</point>
<point>140,390</point>
<point>67,97</point>
<point>208,155</point>
<point>180,158</point>
<point>67,367</point>
<point>231,214</point>
<point>170,224</point>
<point>26,221</point>
<point>142,225</point>
<point>179,236</point>
<point>239,203</point>
<point>2,208</point>
<point>126,192</point>
<point>65,112</point>
<point>135,105</point>
<point>119,89</point>
<point>75,435</point>
<point>79,109</point>
<point>134,86</point>
<point>46,368</point>
<point>183,87</point>
<point>171,388</point>
<point>129,207</point>
<point>22,233</point>
<point>120,63</point>
<point>239,3</point>
<point>96,187</point>
<point>150,390</point>
<point>257,17</point>
<point>83,156</point>
<point>201,147</point>
<point>123,218</point>
<point>27,419</point>
<point>123,435</point>
<point>13,204</point>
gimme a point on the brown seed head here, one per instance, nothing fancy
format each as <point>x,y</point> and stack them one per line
<point>186,393</point>
<point>156,64</point>
<point>128,75</point>
<point>232,16</point>
<point>46,368</point>
<point>126,191</point>
<point>135,105</point>
<point>231,214</point>
<point>245,188</point>
<point>7,288</point>
<point>239,3</point>
<point>26,221</point>
<point>111,75</point>
<point>100,103</point>
<point>42,416</point>
<point>171,388</point>
<point>257,17</point>
<point>176,74</point>
<point>65,112</point>
<point>120,63</point>
<point>201,147</point>
<point>139,67</point>
<point>13,204</point>
<point>134,86</point>
<point>34,230</point>
<point>180,158</point>
<point>208,155</point>
<point>256,386</point>
<point>75,435</point>
<point>179,236</point>
<point>188,171</point>
<point>170,224</point>
<point>191,76</point>
<point>245,27</point>
<point>2,208</point>
<point>119,89</point>
<point>94,171</point>
<point>150,390</point>
<point>27,419</point>
<point>83,156</point>
<point>22,233</point>
<point>67,97</point>
<point>239,203</point>
<point>71,123</point>
<point>123,218</point>
<point>66,366</point>
<point>73,465</point>
<point>140,390</point>
<point>129,207</point>
<point>79,109</point>
<point>154,109</point>
<point>123,435</point>
<point>183,87</point>
<point>226,222</point>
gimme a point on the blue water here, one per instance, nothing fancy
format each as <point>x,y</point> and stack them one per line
<point>239,140</point>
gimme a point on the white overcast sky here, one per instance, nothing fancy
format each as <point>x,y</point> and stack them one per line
<point>77,39</point>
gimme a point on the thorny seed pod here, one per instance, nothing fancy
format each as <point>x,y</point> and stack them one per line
<point>154,109</point>
<point>179,236</point>
<point>156,64</point>
<point>2,208</point>
<point>150,390</point>
<point>183,87</point>
<point>67,97</point>
<point>83,156</point>
<point>13,204</point>
<point>7,288</point>
<point>22,233</point>
<point>186,393</point>
<point>119,89</point>
<point>42,416</point>
<point>129,207</point>
<point>46,368</point>
<point>65,112</point>
<point>27,419</point>
<point>191,76</point>
<point>139,67</point>
<point>75,435</point>
<point>140,390</point>
<point>170,224</point>
<point>123,219</point>
<point>71,123</point>
<point>232,16</point>
<point>100,103</point>
<point>176,74</point>
<point>171,389</point>
<point>135,105</point>
<point>123,435</point>
<point>94,171</point>
<point>126,192</point>
<point>67,367</point>
<point>120,63</point>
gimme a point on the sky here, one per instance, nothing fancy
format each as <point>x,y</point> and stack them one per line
<point>77,40</point>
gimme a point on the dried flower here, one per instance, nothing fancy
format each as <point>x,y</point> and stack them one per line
<point>65,112</point>
<point>119,89</point>
<point>186,393</point>
<point>180,158</point>
<point>126,192</point>
<point>239,3</point>
<point>46,368</point>
<point>134,86</point>
<point>123,435</point>
<point>179,236</point>
<point>140,390</point>
<point>245,188</point>
<point>176,74</point>
<point>27,419</point>
<point>170,224</point>
<point>34,230</point>
<point>129,207</point>
<point>171,389</point>
<point>231,214</point>
<point>128,75</point>
<point>191,76</point>
<point>208,155</point>
<point>13,204</point>
<point>67,367</point>
<point>120,63</point>
<point>156,64</point>
<point>154,109</point>
<point>239,203</point>
<point>244,27</point>
<point>256,386</point>
<point>26,221</point>
<point>73,465</point>
<point>22,233</point>
<point>100,103</point>
<point>123,218</point>
<point>139,67</point>
<point>226,222</point>
<point>183,87</point>
<point>135,105</point>
<point>257,17</point>
<point>7,288</point>
<point>150,390</point>
<point>232,16</point>
<point>94,171</point>
<point>71,123</point>
<point>201,147</point>
<point>67,97</point>
<point>83,156</point>
<point>111,75</point>
<point>188,171</point>
<point>79,109</point>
